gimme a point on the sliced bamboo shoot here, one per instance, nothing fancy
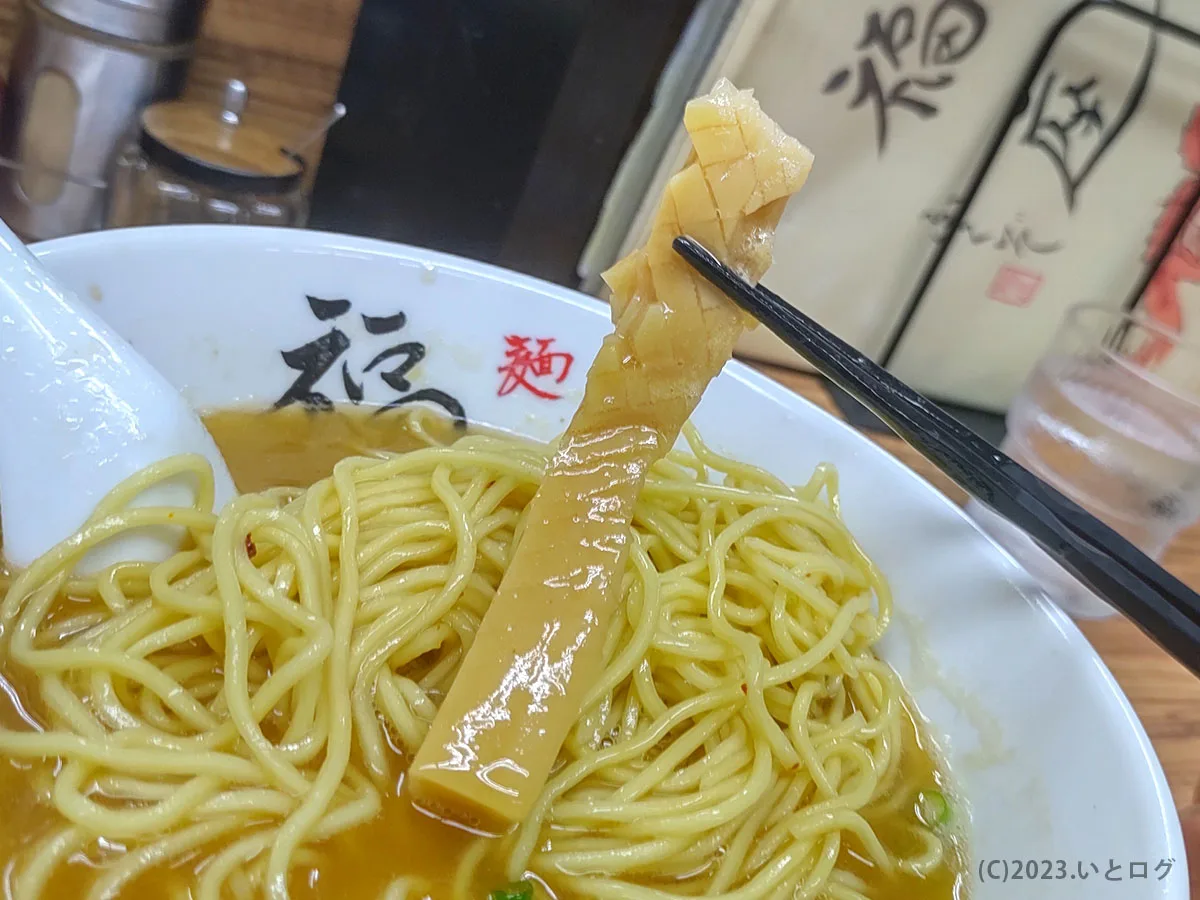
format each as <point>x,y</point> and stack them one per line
<point>539,648</point>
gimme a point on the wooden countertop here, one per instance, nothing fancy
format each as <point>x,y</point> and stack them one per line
<point>1164,694</point>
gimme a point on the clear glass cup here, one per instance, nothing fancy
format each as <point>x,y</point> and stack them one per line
<point>1111,418</point>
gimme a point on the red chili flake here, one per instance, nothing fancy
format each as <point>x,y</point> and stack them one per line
<point>745,688</point>
<point>251,550</point>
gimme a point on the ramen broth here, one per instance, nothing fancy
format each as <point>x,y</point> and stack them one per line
<point>296,447</point>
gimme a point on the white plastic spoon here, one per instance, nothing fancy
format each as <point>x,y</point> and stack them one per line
<point>80,411</point>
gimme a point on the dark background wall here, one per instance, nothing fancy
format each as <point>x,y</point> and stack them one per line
<point>491,130</point>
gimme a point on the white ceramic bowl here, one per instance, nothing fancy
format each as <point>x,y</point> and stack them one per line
<point>1054,763</point>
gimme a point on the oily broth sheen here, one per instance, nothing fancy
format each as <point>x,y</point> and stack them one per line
<point>296,447</point>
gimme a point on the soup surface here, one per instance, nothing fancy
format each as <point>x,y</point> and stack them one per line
<point>296,448</point>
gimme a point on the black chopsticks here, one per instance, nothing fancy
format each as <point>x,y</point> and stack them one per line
<point>1114,569</point>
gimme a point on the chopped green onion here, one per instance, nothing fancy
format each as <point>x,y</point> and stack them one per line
<point>518,890</point>
<point>932,808</point>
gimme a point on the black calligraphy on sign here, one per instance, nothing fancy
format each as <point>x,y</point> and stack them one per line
<point>392,364</point>
<point>904,62</point>
<point>1069,122</point>
<point>1016,235</point>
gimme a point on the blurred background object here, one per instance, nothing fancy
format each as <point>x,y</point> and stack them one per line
<point>502,125</point>
<point>1110,417</point>
<point>289,54</point>
<point>193,162</point>
<point>1066,116</point>
<point>80,72</point>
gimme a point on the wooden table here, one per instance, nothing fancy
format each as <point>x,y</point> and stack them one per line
<point>1165,695</point>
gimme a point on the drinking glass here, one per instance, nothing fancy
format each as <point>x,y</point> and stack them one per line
<point>1110,417</point>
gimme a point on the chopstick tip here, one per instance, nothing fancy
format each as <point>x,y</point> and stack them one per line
<point>696,253</point>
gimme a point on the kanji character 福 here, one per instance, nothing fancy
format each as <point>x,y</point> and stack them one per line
<point>314,359</point>
<point>950,32</point>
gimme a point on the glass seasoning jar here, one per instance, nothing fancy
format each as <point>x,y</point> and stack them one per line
<point>191,163</point>
<point>81,72</point>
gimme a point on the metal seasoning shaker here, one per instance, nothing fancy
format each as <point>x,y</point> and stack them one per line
<point>81,71</point>
<point>195,162</point>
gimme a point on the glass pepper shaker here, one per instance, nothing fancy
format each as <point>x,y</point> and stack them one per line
<point>189,162</point>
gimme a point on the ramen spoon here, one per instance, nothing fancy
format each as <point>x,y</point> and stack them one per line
<point>81,412</point>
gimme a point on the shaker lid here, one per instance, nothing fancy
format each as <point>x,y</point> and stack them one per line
<point>216,147</point>
<point>143,21</point>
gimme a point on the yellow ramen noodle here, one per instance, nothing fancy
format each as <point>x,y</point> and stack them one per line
<point>236,722</point>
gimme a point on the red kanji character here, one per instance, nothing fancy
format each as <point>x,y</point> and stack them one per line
<point>1164,865</point>
<point>1136,867</point>
<point>1083,873</point>
<point>1114,871</point>
<point>525,364</point>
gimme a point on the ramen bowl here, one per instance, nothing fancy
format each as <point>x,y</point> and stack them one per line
<point>1058,778</point>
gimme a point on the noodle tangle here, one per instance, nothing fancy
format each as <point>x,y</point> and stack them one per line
<point>232,708</point>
